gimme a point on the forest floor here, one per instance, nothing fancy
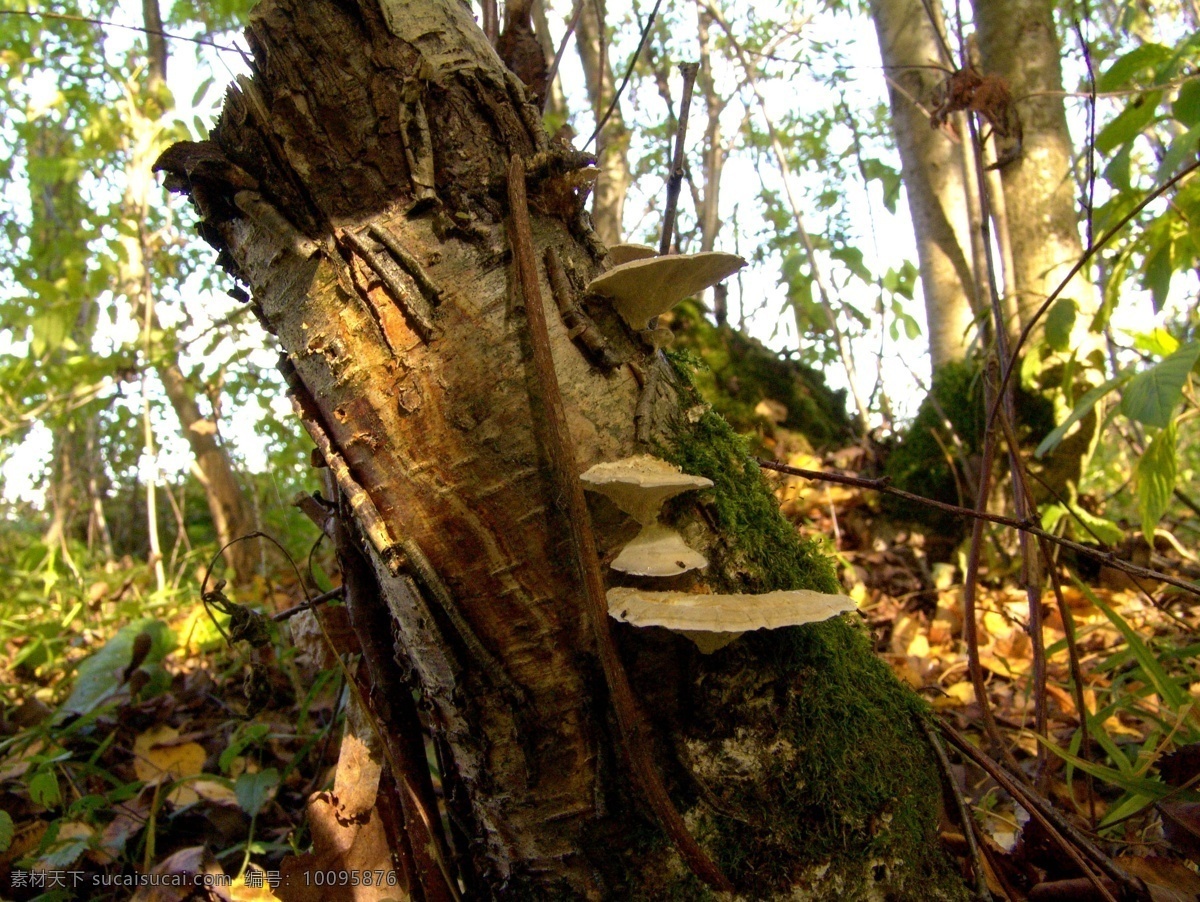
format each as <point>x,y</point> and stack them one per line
<point>133,740</point>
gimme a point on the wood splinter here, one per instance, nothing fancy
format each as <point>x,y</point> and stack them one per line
<point>579,325</point>
<point>418,146</point>
<point>408,263</point>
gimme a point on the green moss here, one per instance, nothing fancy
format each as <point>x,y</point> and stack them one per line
<point>758,549</point>
<point>829,783</point>
<point>826,780</point>
<point>739,372</point>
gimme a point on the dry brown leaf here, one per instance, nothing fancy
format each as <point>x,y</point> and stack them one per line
<point>359,766</point>
<point>192,863</point>
<point>1169,880</point>
<point>339,846</point>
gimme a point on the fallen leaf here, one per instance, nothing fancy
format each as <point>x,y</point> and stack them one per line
<point>160,757</point>
<point>1181,826</point>
<point>339,846</point>
<point>1169,880</point>
<point>191,863</point>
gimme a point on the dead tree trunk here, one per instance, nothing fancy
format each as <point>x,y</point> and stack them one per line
<point>357,184</point>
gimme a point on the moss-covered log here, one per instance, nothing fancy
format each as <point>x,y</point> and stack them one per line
<point>356,184</point>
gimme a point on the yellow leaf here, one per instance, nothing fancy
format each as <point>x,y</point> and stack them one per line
<point>160,757</point>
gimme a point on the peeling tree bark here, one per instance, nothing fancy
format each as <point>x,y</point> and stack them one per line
<point>358,185</point>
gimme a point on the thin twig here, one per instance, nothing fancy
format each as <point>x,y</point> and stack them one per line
<point>628,74</point>
<point>1064,612</point>
<point>881,485</point>
<point>634,731</point>
<point>1060,829</point>
<point>675,180</point>
<point>970,588</point>
<point>289,613</point>
<point>562,47</point>
<point>969,826</point>
<point>104,23</point>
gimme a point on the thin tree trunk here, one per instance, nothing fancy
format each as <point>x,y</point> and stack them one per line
<point>1018,42</point>
<point>932,172</point>
<point>556,103</point>
<point>612,144</point>
<point>409,364</point>
<point>214,469</point>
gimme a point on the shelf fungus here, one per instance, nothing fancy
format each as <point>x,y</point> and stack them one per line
<point>639,486</point>
<point>713,621</point>
<point>627,253</point>
<point>642,289</point>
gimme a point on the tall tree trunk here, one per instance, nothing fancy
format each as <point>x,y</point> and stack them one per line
<point>612,144</point>
<point>61,327</point>
<point>403,344</point>
<point>708,210</point>
<point>932,172</point>
<point>213,466</point>
<point>1018,42</point>
<point>214,469</point>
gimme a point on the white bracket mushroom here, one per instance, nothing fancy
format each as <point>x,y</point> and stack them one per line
<point>639,486</point>
<point>713,621</point>
<point>625,253</point>
<point>642,289</point>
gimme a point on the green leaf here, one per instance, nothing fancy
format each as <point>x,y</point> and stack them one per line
<point>1159,342</point>
<point>1132,121</point>
<point>1082,409</point>
<point>6,830</point>
<point>99,676</point>
<point>1059,323</point>
<point>1156,480</point>
<point>1098,528</point>
<point>253,790</point>
<point>1181,149</point>
<point>1156,274</point>
<point>1186,107</point>
<point>1121,73</point>
<point>43,789</point>
<point>1172,695</point>
<point>888,178</point>
<point>49,329</point>
<point>1153,394</point>
<point>1153,789</point>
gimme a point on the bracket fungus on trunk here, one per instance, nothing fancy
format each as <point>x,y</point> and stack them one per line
<point>713,621</point>
<point>627,253</point>
<point>639,486</point>
<point>642,289</point>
